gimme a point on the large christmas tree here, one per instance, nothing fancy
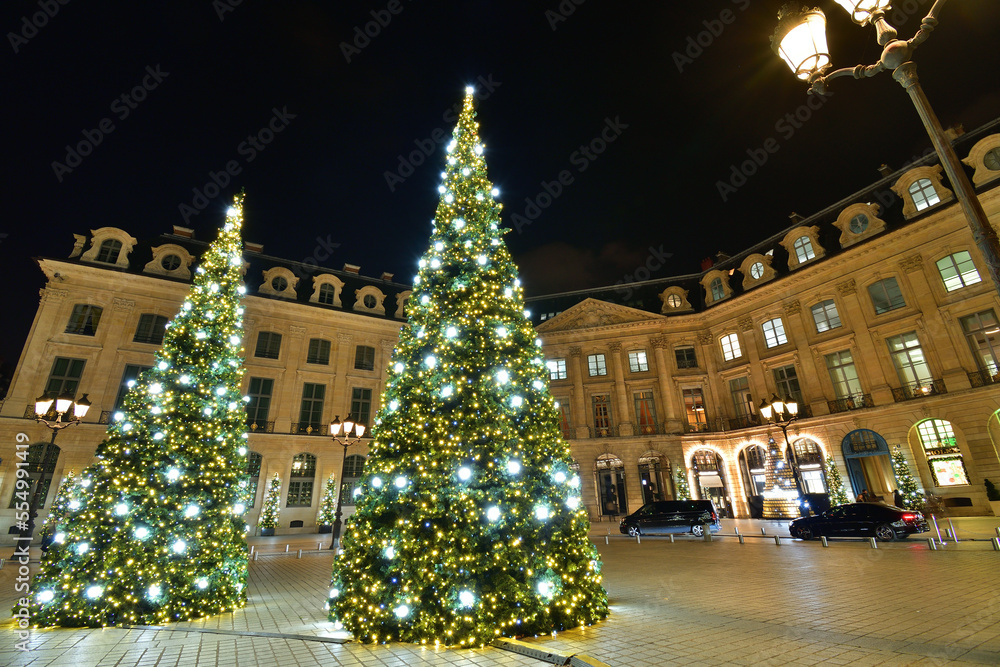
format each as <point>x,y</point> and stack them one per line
<point>912,500</point>
<point>470,524</point>
<point>159,534</point>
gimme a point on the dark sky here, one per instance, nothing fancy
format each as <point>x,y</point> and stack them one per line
<point>553,84</point>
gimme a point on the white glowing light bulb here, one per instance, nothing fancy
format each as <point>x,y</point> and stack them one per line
<point>466,598</point>
<point>493,513</point>
<point>173,474</point>
<point>46,596</point>
<point>121,509</point>
<point>513,467</point>
<point>464,473</point>
<point>377,482</point>
<point>95,592</point>
<point>179,546</point>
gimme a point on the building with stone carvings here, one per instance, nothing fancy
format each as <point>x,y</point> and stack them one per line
<point>876,315</point>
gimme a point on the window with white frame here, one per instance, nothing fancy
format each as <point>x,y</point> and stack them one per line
<point>731,347</point>
<point>886,296</point>
<point>637,362</point>
<point>557,369</point>
<point>909,359</point>
<point>645,412</point>
<point>958,270</point>
<point>843,374</point>
<point>597,365</point>
<point>923,193</point>
<point>803,249</point>
<point>718,291</point>
<point>327,294</point>
<point>825,316</point>
<point>983,333</point>
<point>601,404</point>
<point>300,486</point>
<point>354,466</point>
<point>774,333</point>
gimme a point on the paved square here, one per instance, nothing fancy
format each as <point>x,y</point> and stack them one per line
<point>682,603</point>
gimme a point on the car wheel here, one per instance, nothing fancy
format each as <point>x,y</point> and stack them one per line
<point>633,531</point>
<point>885,533</point>
<point>698,530</point>
<point>805,534</point>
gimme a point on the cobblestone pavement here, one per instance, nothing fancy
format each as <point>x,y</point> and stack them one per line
<point>684,603</point>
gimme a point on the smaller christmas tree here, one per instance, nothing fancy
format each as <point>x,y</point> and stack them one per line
<point>328,506</point>
<point>834,483</point>
<point>912,499</point>
<point>681,484</point>
<point>272,504</point>
<point>67,490</point>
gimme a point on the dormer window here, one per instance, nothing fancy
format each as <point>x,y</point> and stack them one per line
<point>921,189</point>
<point>674,299</point>
<point>718,291</point>
<point>716,286</point>
<point>858,222</point>
<point>109,251</point>
<point>923,193</point>
<point>170,262</point>
<point>326,295</point>
<point>279,283</point>
<point>985,159</point>
<point>803,249</point>
<point>757,270</point>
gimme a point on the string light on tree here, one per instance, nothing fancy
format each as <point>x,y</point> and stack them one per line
<point>462,478</point>
<point>153,514</point>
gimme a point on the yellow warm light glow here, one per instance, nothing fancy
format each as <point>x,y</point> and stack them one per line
<point>861,10</point>
<point>800,40</point>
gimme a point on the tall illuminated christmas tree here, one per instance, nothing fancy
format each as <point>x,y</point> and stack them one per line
<point>159,534</point>
<point>328,505</point>
<point>681,484</point>
<point>834,483</point>
<point>469,525</point>
<point>912,500</point>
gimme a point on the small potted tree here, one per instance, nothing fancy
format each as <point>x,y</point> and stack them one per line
<point>993,495</point>
<point>272,505</point>
<point>327,506</point>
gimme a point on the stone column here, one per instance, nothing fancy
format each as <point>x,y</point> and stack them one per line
<point>674,413</point>
<point>625,426</point>
<point>713,403</point>
<point>866,351</point>
<point>809,373</point>
<point>340,399</point>
<point>579,416</point>
<point>758,384</point>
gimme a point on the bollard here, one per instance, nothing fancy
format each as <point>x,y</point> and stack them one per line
<point>4,560</point>
<point>763,531</point>
<point>671,538</point>
<point>319,546</point>
<point>736,529</point>
<point>954,533</point>
<point>741,538</point>
<point>873,542</point>
<point>251,549</point>
<point>606,539</point>
<point>300,554</point>
<point>947,533</point>
<point>777,540</point>
<point>937,529</point>
<point>256,553</point>
<point>996,543</point>
<point>824,540</point>
<point>706,532</point>
<point>998,531</point>
<point>931,544</point>
<point>638,539</point>
<point>286,548</point>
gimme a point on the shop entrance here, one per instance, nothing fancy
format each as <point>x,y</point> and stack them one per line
<point>868,465</point>
<point>654,478</point>
<point>753,461</point>
<point>610,473</point>
<point>709,474</point>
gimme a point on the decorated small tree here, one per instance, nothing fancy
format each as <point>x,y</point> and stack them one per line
<point>159,534</point>
<point>834,482</point>
<point>328,505</point>
<point>681,484</point>
<point>60,505</point>
<point>912,500</point>
<point>271,507</point>
<point>470,523</point>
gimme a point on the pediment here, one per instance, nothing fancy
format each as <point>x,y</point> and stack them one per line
<point>593,313</point>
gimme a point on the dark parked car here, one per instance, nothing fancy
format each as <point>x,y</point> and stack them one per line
<point>672,516</point>
<point>884,522</point>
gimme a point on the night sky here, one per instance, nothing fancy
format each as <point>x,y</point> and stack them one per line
<point>356,116</point>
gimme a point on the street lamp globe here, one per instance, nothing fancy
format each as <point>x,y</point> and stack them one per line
<point>42,405</point>
<point>800,40</point>
<point>861,10</point>
<point>81,407</point>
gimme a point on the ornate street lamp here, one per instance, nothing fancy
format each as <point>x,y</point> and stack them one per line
<point>346,440</point>
<point>64,405</point>
<point>782,413</point>
<point>800,40</point>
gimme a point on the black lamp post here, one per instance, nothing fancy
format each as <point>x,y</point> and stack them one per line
<point>800,40</point>
<point>64,404</point>
<point>346,440</point>
<point>782,413</point>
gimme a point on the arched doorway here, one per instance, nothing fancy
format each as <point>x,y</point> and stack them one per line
<point>708,473</point>
<point>812,477</point>
<point>753,461</point>
<point>610,473</point>
<point>655,477</point>
<point>868,465</point>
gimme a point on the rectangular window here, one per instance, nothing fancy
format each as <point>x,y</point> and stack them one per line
<point>685,357</point>
<point>597,365</point>
<point>268,345</point>
<point>843,374</point>
<point>645,412</point>
<point>637,362</point>
<point>886,296</point>
<point>739,390</point>
<point>812,480</point>
<point>958,271</point>
<point>364,358</point>
<point>300,493</point>
<point>311,413</point>
<point>253,477</point>
<point>565,425</point>
<point>602,415</point>
<point>786,379</point>
<point>260,401</point>
<point>774,333</point>
<point>129,377</point>
<point>731,347</point>
<point>908,357</point>
<point>84,319</point>
<point>151,329</point>
<point>694,406</point>
<point>557,369</point>
<point>826,316</point>
<point>361,405</point>
<point>65,376</point>
<point>983,333</point>
<point>319,351</point>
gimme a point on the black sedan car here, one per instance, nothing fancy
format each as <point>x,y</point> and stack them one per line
<point>883,522</point>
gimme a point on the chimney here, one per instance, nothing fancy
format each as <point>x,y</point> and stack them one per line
<point>351,268</point>
<point>720,257</point>
<point>253,247</point>
<point>183,232</point>
<point>387,276</point>
<point>954,132</point>
<point>885,170</point>
<point>795,217</point>
<point>706,264</point>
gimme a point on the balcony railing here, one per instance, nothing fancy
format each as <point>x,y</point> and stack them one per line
<point>983,378</point>
<point>260,427</point>
<point>697,428</point>
<point>306,428</point>
<point>742,421</point>
<point>914,390</point>
<point>651,428</point>
<point>151,339</point>
<point>603,431</point>
<point>852,402</point>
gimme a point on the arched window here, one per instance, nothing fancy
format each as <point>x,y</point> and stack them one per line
<point>803,249</point>
<point>253,477</point>
<point>809,457</point>
<point>327,294</point>
<point>943,454</point>
<point>109,251</point>
<point>610,472</point>
<point>36,470</point>
<point>718,291</point>
<point>300,486</point>
<point>354,466</point>
<point>923,193</point>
